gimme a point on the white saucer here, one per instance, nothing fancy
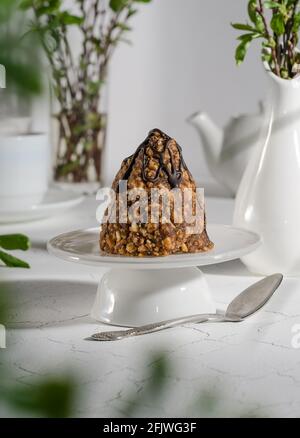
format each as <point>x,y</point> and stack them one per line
<point>138,291</point>
<point>53,203</point>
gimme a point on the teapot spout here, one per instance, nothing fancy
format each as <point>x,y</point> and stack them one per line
<point>211,137</point>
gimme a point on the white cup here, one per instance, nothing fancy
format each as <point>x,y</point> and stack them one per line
<point>24,169</point>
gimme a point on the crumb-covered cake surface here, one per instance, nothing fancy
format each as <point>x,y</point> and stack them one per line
<point>156,178</point>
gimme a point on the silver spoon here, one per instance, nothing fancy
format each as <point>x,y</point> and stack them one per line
<point>248,302</point>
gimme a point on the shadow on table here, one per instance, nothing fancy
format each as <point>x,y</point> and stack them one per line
<point>234,268</point>
<point>39,303</point>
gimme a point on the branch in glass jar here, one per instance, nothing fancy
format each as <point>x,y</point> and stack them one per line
<point>78,81</point>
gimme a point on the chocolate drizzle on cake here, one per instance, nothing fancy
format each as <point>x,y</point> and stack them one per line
<point>174,175</point>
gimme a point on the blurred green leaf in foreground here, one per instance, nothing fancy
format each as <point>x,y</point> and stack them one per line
<point>160,384</point>
<point>13,242</point>
<point>49,397</point>
<point>19,51</point>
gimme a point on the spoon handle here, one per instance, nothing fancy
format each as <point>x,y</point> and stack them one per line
<point>156,327</point>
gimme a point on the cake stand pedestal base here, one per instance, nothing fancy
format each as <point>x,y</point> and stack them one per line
<point>145,290</point>
<point>130,298</point>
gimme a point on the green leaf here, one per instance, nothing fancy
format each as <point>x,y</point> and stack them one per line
<point>255,16</point>
<point>296,24</point>
<point>278,24</point>
<point>93,120</point>
<point>20,57</point>
<point>50,41</point>
<point>267,57</point>
<point>4,303</point>
<point>271,5</point>
<point>50,7</point>
<point>132,12</point>
<point>117,5</point>
<point>26,4</point>
<point>22,75</point>
<point>51,398</point>
<point>252,5</point>
<point>248,37</point>
<point>246,27</point>
<point>93,87</point>
<point>15,241</point>
<point>242,48</point>
<point>65,169</point>
<point>12,262</point>
<point>69,19</point>
<point>284,73</point>
<point>260,24</point>
<point>124,27</point>
<point>270,43</point>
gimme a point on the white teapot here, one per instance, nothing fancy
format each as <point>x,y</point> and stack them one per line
<point>228,151</point>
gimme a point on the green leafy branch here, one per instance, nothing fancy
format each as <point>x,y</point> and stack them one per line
<point>12,242</point>
<point>277,24</point>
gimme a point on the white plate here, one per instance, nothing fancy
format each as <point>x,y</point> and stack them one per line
<point>82,246</point>
<point>54,202</point>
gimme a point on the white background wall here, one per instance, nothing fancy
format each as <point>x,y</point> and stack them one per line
<point>181,60</point>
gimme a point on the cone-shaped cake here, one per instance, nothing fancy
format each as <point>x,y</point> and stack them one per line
<point>157,166</point>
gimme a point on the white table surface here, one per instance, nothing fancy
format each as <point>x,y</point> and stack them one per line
<point>251,368</point>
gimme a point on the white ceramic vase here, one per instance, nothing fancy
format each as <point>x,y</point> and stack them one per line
<point>268,199</point>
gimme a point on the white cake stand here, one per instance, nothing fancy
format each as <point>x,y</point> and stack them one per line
<point>138,291</point>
